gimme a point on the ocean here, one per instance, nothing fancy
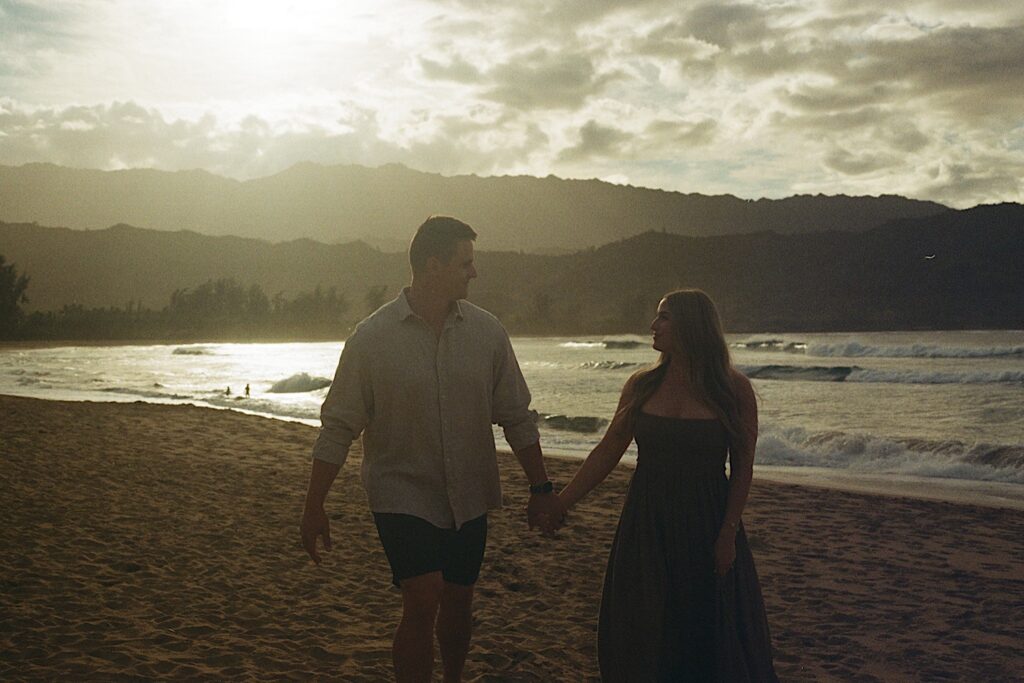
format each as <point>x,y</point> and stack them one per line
<point>932,406</point>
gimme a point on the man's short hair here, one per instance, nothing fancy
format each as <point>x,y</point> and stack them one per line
<point>437,237</point>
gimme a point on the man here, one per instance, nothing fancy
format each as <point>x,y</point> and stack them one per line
<point>423,378</point>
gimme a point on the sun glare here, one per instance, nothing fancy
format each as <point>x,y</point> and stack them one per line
<point>267,56</point>
<point>272,21</point>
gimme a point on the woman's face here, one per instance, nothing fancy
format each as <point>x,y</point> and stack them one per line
<point>661,328</point>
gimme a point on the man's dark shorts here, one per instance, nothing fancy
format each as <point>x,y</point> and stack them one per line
<point>415,547</point>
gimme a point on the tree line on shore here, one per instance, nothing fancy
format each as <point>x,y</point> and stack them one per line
<point>216,309</point>
<point>227,309</point>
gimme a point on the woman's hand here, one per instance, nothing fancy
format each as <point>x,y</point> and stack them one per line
<point>725,551</point>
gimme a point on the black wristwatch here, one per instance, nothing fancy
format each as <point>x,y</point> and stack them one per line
<point>546,487</point>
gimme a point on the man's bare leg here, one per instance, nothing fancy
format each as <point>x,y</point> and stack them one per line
<point>413,651</point>
<point>454,628</point>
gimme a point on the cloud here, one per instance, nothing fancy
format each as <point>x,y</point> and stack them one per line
<point>755,98</point>
<point>542,79</point>
<point>457,69</point>
<point>595,140</point>
<point>855,164</point>
<point>727,24</point>
<point>536,79</point>
<point>534,17</point>
<point>33,36</point>
<point>819,99</point>
<point>126,135</point>
<point>984,61</point>
<point>659,138</point>
<point>674,134</point>
<point>967,184</point>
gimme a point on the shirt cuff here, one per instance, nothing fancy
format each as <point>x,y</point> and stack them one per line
<point>521,435</point>
<point>330,451</point>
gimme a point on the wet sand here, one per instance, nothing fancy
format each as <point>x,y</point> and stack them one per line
<point>153,541</point>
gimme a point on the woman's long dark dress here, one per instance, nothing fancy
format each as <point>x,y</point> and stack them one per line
<point>665,615</point>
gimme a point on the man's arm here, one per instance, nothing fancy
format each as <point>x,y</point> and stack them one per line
<point>314,517</point>
<point>545,509</point>
<point>344,414</point>
<point>511,410</point>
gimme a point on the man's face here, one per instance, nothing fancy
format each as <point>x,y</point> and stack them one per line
<point>455,275</point>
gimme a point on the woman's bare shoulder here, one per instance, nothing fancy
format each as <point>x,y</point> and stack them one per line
<point>738,378</point>
<point>741,384</point>
<point>630,385</point>
<point>743,391</point>
<point>629,388</point>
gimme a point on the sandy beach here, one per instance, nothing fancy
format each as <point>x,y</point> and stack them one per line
<point>160,542</point>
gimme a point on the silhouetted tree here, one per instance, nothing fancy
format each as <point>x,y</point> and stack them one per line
<point>376,297</point>
<point>12,294</point>
<point>257,304</point>
<point>316,308</point>
<point>221,299</point>
<point>542,307</point>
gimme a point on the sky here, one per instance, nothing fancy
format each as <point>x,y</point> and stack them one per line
<point>766,98</point>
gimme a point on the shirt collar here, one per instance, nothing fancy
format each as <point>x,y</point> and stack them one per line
<point>405,310</point>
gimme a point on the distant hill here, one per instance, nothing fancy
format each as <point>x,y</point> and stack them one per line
<point>960,269</point>
<point>381,206</point>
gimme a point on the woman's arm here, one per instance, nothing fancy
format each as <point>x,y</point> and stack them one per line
<point>606,455</point>
<point>741,473</point>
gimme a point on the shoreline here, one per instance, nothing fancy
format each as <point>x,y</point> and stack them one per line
<point>993,494</point>
<point>58,343</point>
<point>160,541</point>
<point>968,492</point>
<point>957,491</point>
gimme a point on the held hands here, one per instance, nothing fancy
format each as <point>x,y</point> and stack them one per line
<point>546,512</point>
<point>315,523</point>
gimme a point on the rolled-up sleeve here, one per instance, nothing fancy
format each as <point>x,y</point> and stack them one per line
<point>511,400</point>
<point>348,406</point>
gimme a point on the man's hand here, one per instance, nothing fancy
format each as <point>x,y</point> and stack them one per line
<point>315,523</point>
<point>546,512</point>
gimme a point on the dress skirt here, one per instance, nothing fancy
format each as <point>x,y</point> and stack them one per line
<point>665,615</point>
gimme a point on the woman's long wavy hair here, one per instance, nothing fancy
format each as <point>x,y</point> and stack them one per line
<point>699,340</point>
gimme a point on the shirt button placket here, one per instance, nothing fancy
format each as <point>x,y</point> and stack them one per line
<point>446,440</point>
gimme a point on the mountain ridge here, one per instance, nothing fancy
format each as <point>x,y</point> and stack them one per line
<point>342,203</point>
<point>958,270</point>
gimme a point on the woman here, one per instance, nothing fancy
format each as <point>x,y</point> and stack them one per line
<point>681,597</point>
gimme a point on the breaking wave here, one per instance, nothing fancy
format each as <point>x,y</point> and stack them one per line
<point>606,344</point>
<point>192,351</point>
<point>582,424</point>
<point>847,373</point>
<point>936,377</point>
<point>855,349</point>
<point>608,365</point>
<point>858,350</point>
<point>298,384</point>
<point>796,372</point>
<point>919,457</point>
<point>770,345</point>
